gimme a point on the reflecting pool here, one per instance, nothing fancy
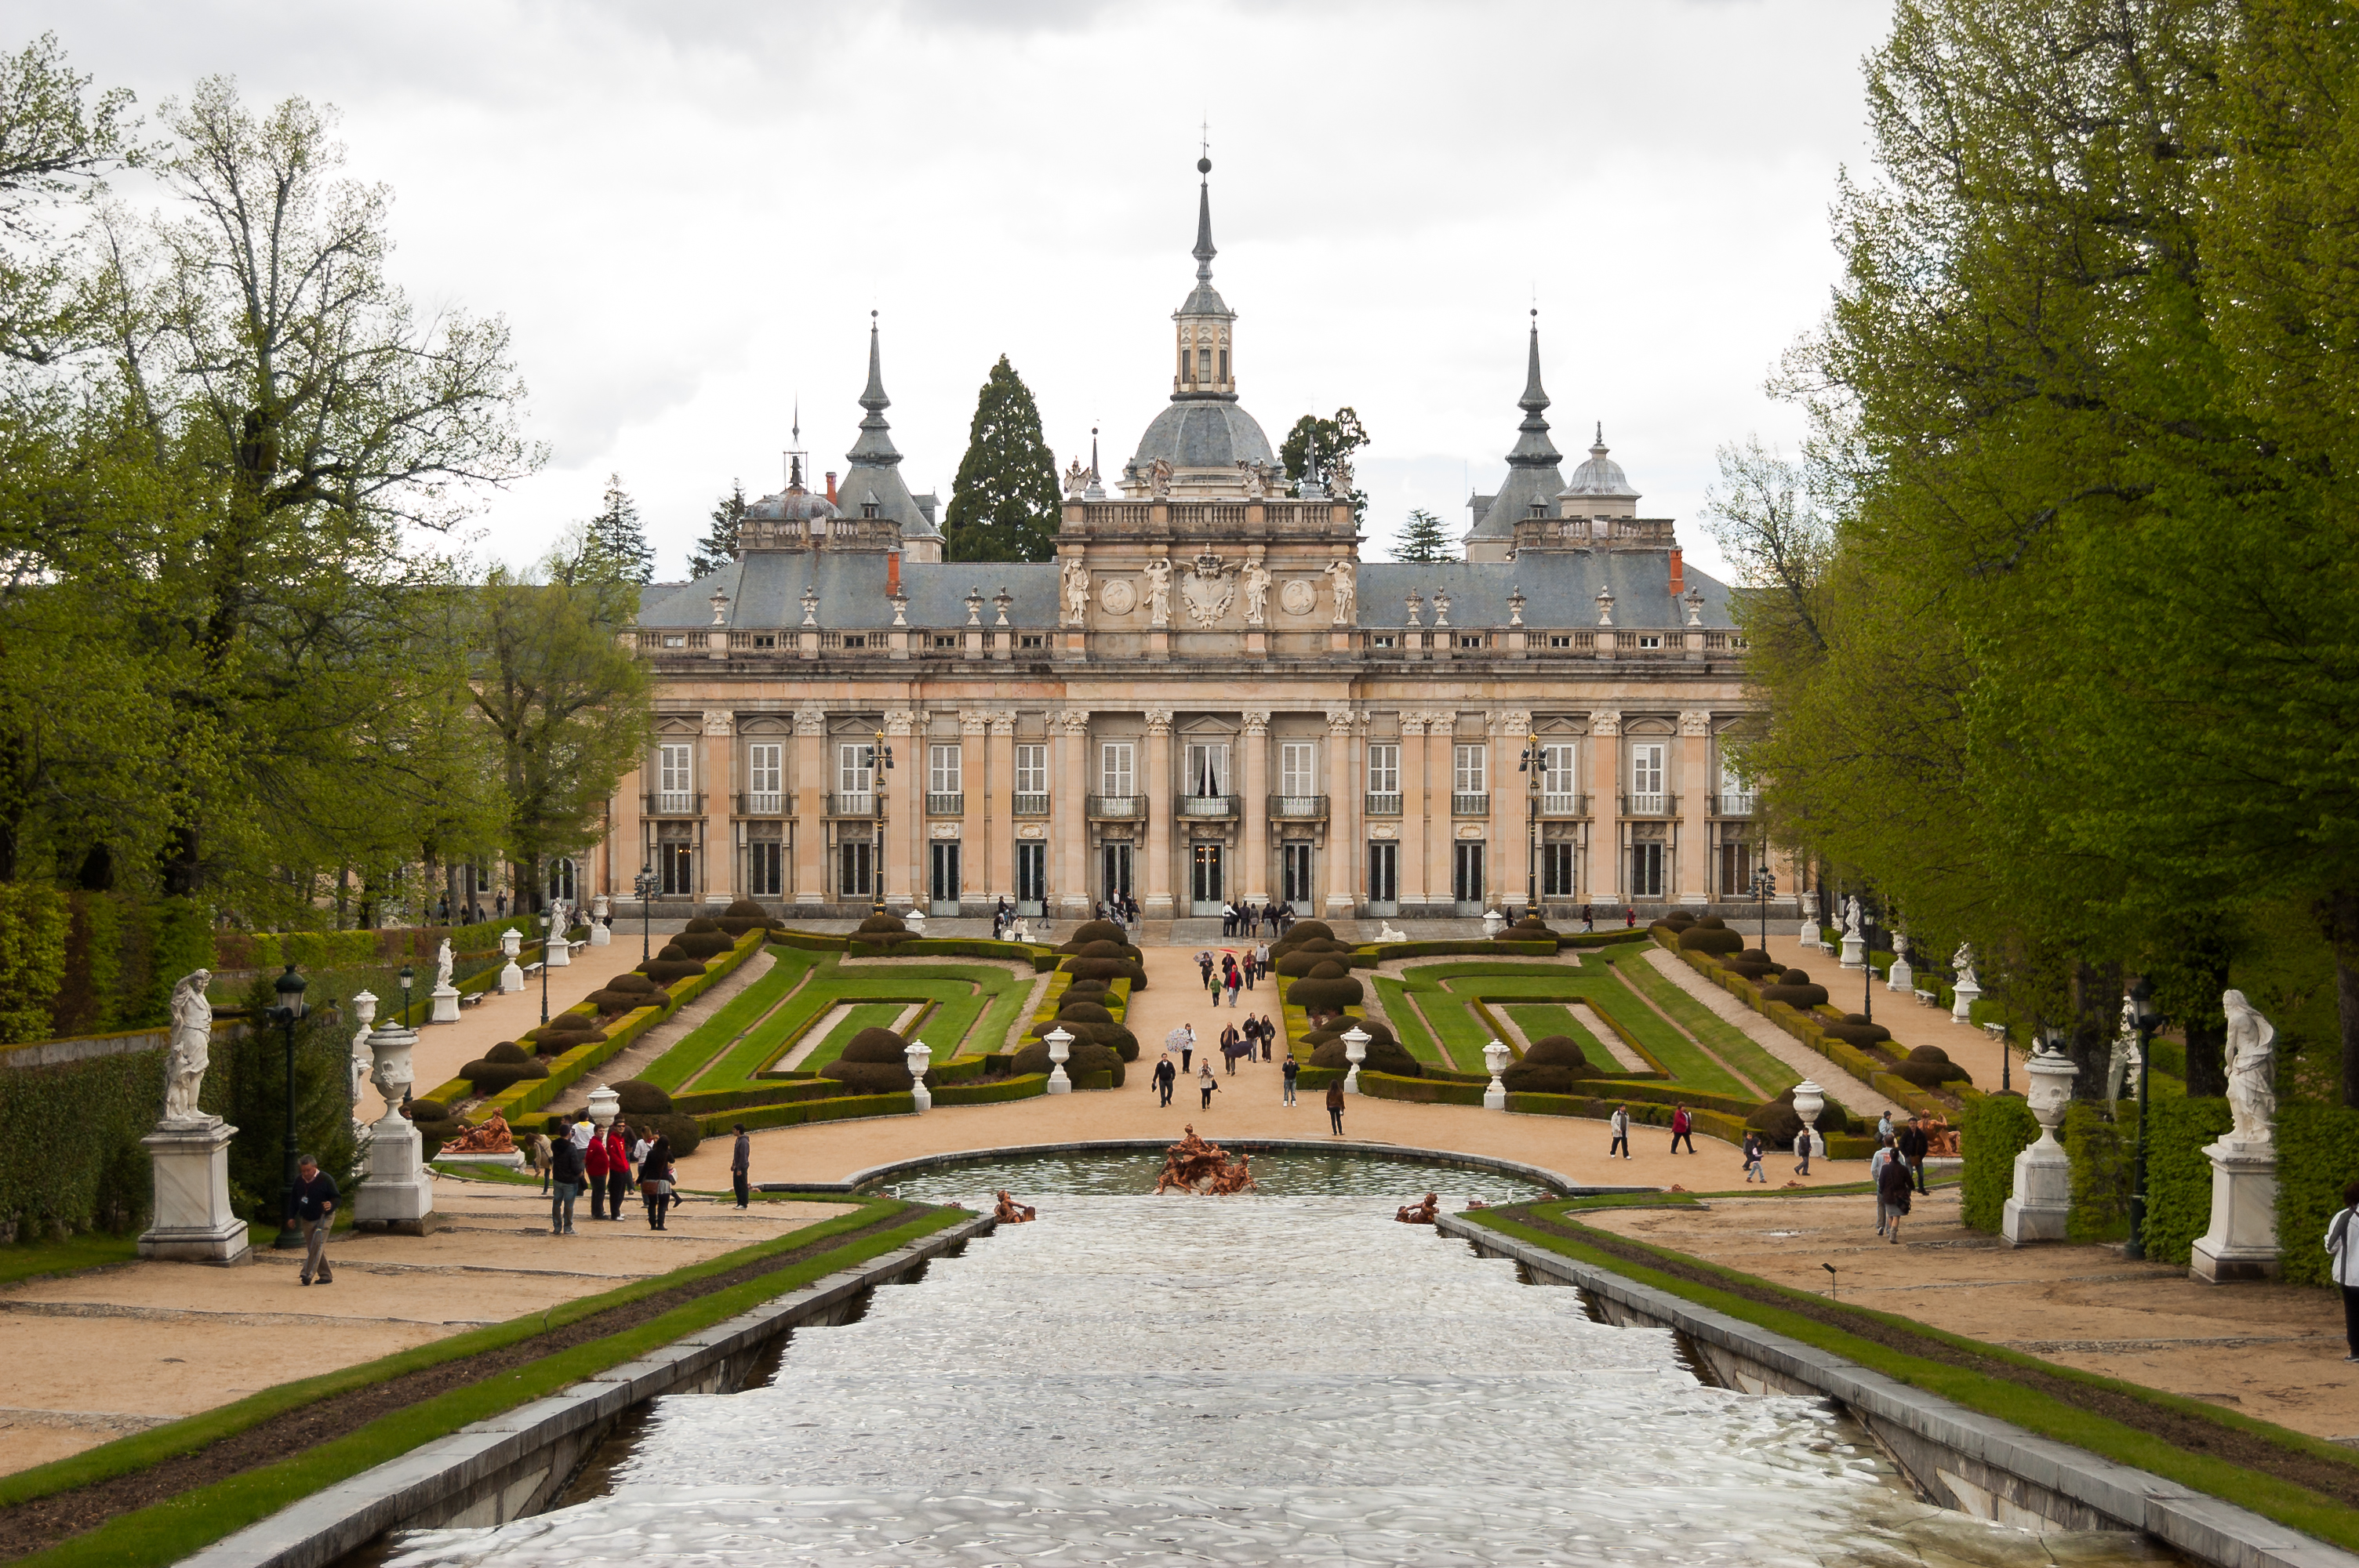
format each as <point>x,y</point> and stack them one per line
<point>1292,1380</point>
<point>1278,1173</point>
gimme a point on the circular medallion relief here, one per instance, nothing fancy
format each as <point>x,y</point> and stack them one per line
<point>1299,598</point>
<point>1118,597</point>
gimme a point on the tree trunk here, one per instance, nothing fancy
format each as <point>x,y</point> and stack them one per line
<point>2338,915</point>
<point>2097,1015</point>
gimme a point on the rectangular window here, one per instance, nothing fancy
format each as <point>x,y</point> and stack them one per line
<point>1203,366</point>
<point>1647,870</point>
<point>1555,870</point>
<point>1115,777</point>
<point>1224,367</point>
<point>1031,875</point>
<point>766,767</point>
<point>1031,770</point>
<point>1383,865</point>
<point>1649,640</point>
<point>1466,873</point>
<point>1560,768</point>
<point>672,769</point>
<point>1208,768</point>
<point>1470,770</point>
<point>1032,640</point>
<point>1737,868</point>
<point>855,770</point>
<point>1297,768</point>
<point>1384,769</point>
<point>943,770</point>
<point>854,865</point>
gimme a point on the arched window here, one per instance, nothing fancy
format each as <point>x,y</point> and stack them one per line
<point>561,880</point>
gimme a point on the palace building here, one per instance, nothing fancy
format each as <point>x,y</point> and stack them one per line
<point>1208,696</point>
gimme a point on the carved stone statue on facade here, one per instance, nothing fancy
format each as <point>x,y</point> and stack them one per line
<point>1158,479</point>
<point>192,1048</point>
<point>1256,581</point>
<point>1077,592</point>
<point>1157,573</point>
<point>2252,1070</point>
<point>1346,590</point>
<point>1077,480</point>
<point>1257,478</point>
<point>1206,591</point>
<point>1339,477</point>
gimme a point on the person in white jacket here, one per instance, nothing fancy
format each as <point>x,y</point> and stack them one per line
<point>2343,1252</point>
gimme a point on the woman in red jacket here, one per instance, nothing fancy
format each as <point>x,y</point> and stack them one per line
<point>594,1160</point>
<point>618,1167</point>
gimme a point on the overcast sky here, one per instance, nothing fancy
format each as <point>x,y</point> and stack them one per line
<point>688,210</point>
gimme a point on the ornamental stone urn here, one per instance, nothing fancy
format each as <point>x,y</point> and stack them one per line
<point>2042,1198</point>
<point>1494,922</point>
<point>397,1190</point>
<point>920,1056</point>
<point>1900,977</point>
<point>600,920</point>
<point>363,1060</point>
<point>1809,932</point>
<point>1060,1048</point>
<point>511,977</point>
<point>604,1106</point>
<point>1810,1101</point>
<point>1495,1056</point>
<point>1355,1051</point>
<point>915,921</point>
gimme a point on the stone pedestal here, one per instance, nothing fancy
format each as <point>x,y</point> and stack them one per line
<point>446,1005</point>
<point>1855,952</point>
<point>1900,977</point>
<point>1961,1009</point>
<point>193,1222</point>
<point>599,935</point>
<point>396,1190</point>
<point>2243,1242</point>
<point>2042,1199</point>
<point>1495,1056</point>
<point>557,953</point>
<point>511,977</point>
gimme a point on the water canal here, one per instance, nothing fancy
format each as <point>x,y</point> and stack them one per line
<point>1288,1378</point>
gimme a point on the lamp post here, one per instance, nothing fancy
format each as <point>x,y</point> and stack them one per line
<point>1765,888</point>
<point>645,884</point>
<point>880,762</point>
<point>288,1013</point>
<point>2147,1018</point>
<point>548,935</point>
<point>1530,768</point>
<point>1868,961</point>
<point>408,979</point>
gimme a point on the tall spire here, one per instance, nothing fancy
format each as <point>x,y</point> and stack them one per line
<point>1205,251</point>
<point>1532,448</point>
<point>875,446</point>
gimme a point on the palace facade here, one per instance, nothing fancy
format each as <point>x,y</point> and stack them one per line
<point>1207,697</point>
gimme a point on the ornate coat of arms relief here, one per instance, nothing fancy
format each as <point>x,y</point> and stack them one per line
<point>1206,591</point>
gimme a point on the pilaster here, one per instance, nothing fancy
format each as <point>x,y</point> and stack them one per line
<point>1156,788</point>
<point>1695,806</point>
<point>999,807</point>
<point>900,869</point>
<point>1605,866</point>
<point>1441,734</point>
<point>1343,804</point>
<point>1254,809</point>
<point>811,784</point>
<point>1515,875</point>
<point>1069,885</point>
<point>1410,868</point>
<point>721,860</point>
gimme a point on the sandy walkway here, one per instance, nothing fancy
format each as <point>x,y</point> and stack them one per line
<point>1911,1021</point>
<point>2271,1351</point>
<point>88,1359</point>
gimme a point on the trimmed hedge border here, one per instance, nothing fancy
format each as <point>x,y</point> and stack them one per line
<point>1991,1132</point>
<point>1029,1086</point>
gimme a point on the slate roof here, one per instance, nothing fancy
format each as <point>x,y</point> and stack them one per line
<point>1533,474</point>
<point>1560,590</point>
<point>874,474</point>
<point>1202,433</point>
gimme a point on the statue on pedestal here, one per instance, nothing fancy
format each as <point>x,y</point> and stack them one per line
<point>490,1136</point>
<point>192,1047</point>
<point>2252,1078</point>
<point>1157,573</point>
<point>2242,1243</point>
<point>1346,578</point>
<point>442,964</point>
<point>2122,1060</point>
<point>1256,584</point>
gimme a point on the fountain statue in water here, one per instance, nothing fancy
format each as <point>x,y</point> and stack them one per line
<point>1419,1213</point>
<point>1010,1212</point>
<point>1194,1166</point>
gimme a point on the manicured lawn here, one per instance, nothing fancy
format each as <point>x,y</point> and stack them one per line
<point>1687,1062</point>
<point>866,1015</point>
<point>1540,1019</point>
<point>674,1069</point>
<point>1724,1039</point>
<point>1408,1024</point>
<point>32,1260</point>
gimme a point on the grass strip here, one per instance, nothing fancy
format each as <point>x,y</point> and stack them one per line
<point>1407,1022</point>
<point>171,1530</point>
<point>1724,1039</point>
<point>40,1260</point>
<point>143,1449</point>
<point>690,1055</point>
<point>2288,1503</point>
<point>1687,1062</point>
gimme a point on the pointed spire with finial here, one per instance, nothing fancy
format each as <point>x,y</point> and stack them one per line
<point>875,446</point>
<point>1205,251</point>
<point>1533,449</point>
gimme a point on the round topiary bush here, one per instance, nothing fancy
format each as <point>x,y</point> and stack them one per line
<point>1374,1028</point>
<point>435,1125</point>
<point>704,943</point>
<point>510,1052</point>
<point>1795,989</point>
<point>702,924</point>
<point>1557,1051</point>
<point>881,924</point>
<point>1929,1068</point>
<point>1304,930</point>
<point>1087,1011</point>
<point>1679,920</point>
<point>490,1077</point>
<point>1317,993</point>
<point>1386,1054</point>
<point>1082,1057</point>
<point>874,1061</point>
<point>1107,970</point>
<point>1296,962</point>
<point>1089,988</point>
<point>1703,937</point>
<point>1539,1078</point>
<point>682,1130</point>
<point>1777,1121</point>
<point>640,1097</point>
<point>1753,964</point>
<point>564,1032</point>
<point>1928,1054</point>
<point>1328,969</point>
<point>1089,931</point>
<point>742,916</point>
<point>631,982</point>
<point>1856,1030</point>
<point>1103,949</point>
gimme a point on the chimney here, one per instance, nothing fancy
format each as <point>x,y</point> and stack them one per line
<point>831,487</point>
<point>1679,573</point>
<point>892,574</point>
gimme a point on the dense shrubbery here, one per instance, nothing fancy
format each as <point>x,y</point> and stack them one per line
<point>1794,988</point>
<point>873,1062</point>
<point>1386,1054</point>
<point>1992,1132</point>
<point>2177,1176</point>
<point>503,1064</point>
<point>1777,1122</point>
<point>1552,1067</point>
<point>673,964</point>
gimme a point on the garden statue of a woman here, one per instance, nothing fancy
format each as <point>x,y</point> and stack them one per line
<point>192,1047</point>
<point>2252,1078</point>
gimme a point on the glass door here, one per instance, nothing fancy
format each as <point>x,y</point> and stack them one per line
<point>1647,868</point>
<point>1294,873</point>
<point>1116,881</point>
<point>765,873</point>
<point>945,876</point>
<point>1466,877</point>
<point>1204,878</point>
<point>1031,878</point>
<point>1384,879</point>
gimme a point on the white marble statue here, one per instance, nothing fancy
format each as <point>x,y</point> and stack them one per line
<point>1346,589</point>
<point>1159,479</point>
<point>442,963</point>
<point>362,1058</point>
<point>1157,573</point>
<point>1257,478</point>
<point>1385,933</point>
<point>1852,918</point>
<point>1339,477</point>
<point>2121,1059</point>
<point>2252,1076</point>
<point>1256,584</point>
<point>1963,961</point>
<point>1077,592</point>
<point>1077,480</point>
<point>192,1047</point>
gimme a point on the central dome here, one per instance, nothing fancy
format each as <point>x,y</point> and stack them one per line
<point>1204,433</point>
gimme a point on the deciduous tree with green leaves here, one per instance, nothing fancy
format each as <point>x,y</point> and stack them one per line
<point>1005,503</point>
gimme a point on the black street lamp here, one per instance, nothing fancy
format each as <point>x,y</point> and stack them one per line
<point>288,1013</point>
<point>549,936</point>
<point>1765,888</point>
<point>2145,1018</point>
<point>880,762</point>
<point>1530,766</point>
<point>408,979</point>
<point>1868,961</point>
<point>645,882</point>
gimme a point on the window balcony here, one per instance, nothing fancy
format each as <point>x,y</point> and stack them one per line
<point>1469,806</point>
<point>862,805</point>
<point>766,803</point>
<point>945,805</point>
<point>1118,808</point>
<point>1298,807</point>
<point>1031,806</point>
<point>676,803</point>
<point>1555,803</point>
<point>1214,808</point>
<point>1650,803</point>
<point>1736,802</point>
<point>1383,805</point>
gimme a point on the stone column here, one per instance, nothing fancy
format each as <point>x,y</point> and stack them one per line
<point>1442,782</point>
<point>998,820</point>
<point>1069,882</point>
<point>900,866</point>
<point>1605,810</point>
<point>1694,882</point>
<point>1409,865</point>
<point>1516,868</point>
<point>721,857</point>
<point>1253,808</point>
<point>1155,788</point>
<point>814,777</point>
<point>1343,817</point>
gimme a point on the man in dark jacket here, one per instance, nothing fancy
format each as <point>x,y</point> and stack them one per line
<point>1166,1075</point>
<point>1913,1144</point>
<point>566,1173</point>
<point>314,1204</point>
<point>741,1167</point>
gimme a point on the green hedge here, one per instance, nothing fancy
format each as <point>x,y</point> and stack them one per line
<point>1991,1133</point>
<point>2178,1174</point>
<point>1418,1091</point>
<point>2318,1152</point>
<point>844,1108</point>
<point>93,963</point>
<point>1369,956</point>
<point>996,1093</point>
<point>2102,1154</point>
<point>785,1091</point>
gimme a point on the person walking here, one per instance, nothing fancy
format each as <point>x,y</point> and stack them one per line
<point>1892,1186</point>
<point>313,1204</point>
<point>655,1181</point>
<point>1589,917</point>
<point>593,1172</point>
<point>1913,1144</point>
<point>1293,1070</point>
<point>1753,1170</point>
<point>1268,1037</point>
<point>618,1168</point>
<point>1335,1106</point>
<point>1884,1123</point>
<point>1248,968</point>
<point>1233,982</point>
<point>1682,1125</point>
<point>1229,1039</point>
<point>566,1159</point>
<point>1803,1148</point>
<point>1884,1154</point>
<point>1261,958</point>
<point>1228,920</point>
<point>1209,1085</point>
<point>1165,1077</point>
<point>741,1168</point>
<point>1630,917</point>
<point>537,1147</point>
<point>1621,1125</point>
<point>2343,1252</point>
<point>1204,966</point>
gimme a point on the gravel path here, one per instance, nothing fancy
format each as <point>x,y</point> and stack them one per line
<point>1856,1097</point>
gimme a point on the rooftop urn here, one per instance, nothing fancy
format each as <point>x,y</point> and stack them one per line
<point>974,607</point>
<point>604,1105</point>
<point>1060,1046</point>
<point>1605,607</point>
<point>1000,602</point>
<point>1695,606</point>
<point>810,605</point>
<point>1515,602</point>
<point>1809,1100</point>
<point>1355,1051</point>
<point>720,607</point>
<point>1495,1056</point>
<point>921,1057</point>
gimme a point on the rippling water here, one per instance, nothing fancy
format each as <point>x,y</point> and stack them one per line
<point>1278,1173</point>
<point>1294,1381</point>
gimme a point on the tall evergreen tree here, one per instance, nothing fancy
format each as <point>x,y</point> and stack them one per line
<point>719,546</point>
<point>613,545</point>
<point>1336,438</point>
<point>1422,539</point>
<point>1003,505</point>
